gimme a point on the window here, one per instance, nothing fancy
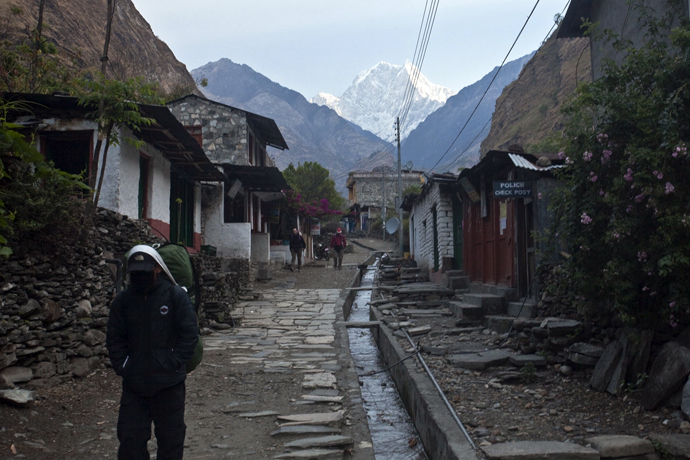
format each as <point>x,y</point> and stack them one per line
<point>69,151</point>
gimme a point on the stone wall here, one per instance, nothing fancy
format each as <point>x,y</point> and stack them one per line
<point>54,308</point>
<point>224,130</point>
<point>422,217</point>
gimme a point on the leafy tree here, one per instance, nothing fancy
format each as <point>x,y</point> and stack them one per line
<point>312,182</point>
<point>624,210</point>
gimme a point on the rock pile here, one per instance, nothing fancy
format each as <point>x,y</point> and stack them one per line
<point>54,308</point>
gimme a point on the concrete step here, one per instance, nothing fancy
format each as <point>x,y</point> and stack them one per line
<point>466,311</point>
<point>492,304</point>
<point>516,309</point>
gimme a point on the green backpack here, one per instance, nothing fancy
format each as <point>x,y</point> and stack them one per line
<point>180,265</point>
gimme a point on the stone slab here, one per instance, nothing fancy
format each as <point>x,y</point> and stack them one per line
<point>319,380</point>
<point>546,450</point>
<point>319,418</point>
<point>524,360</point>
<point>611,446</point>
<point>421,330</point>
<point>668,374</point>
<point>479,361</point>
<point>606,366</point>
<point>314,454</point>
<point>305,429</point>
<point>322,441</point>
<point>562,328</point>
<point>18,396</point>
<point>265,413</point>
<point>17,374</point>
<point>675,444</point>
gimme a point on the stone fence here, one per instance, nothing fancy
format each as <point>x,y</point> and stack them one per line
<point>54,308</point>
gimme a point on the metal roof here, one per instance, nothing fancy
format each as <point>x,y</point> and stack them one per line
<point>264,127</point>
<point>522,162</point>
<point>166,134</point>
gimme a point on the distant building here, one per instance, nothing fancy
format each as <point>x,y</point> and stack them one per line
<point>366,192</point>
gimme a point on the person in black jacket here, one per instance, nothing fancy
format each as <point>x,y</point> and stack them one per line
<point>297,245</point>
<point>152,333</point>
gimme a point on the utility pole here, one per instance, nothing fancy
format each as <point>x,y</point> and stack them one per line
<point>383,201</point>
<point>400,197</point>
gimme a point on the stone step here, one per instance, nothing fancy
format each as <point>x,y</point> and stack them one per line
<point>545,450</point>
<point>501,291</point>
<point>458,282</point>
<point>466,311</point>
<point>492,304</point>
<point>522,309</point>
<point>499,323</point>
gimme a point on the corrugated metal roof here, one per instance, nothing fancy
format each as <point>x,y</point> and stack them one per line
<point>522,162</point>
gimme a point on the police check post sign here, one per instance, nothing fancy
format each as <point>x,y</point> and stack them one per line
<point>512,189</point>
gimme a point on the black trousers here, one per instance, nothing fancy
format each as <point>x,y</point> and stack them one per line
<point>166,410</point>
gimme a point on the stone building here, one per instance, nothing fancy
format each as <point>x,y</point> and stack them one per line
<point>366,192</point>
<point>240,216</point>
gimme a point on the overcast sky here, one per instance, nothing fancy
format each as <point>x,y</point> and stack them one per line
<point>314,46</point>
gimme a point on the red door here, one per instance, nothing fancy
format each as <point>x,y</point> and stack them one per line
<point>503,214</point>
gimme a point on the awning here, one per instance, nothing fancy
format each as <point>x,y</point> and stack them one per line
<point>257,178</point>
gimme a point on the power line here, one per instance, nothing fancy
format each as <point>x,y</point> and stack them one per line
<point>418,59</point>
<point>507,95</point>
<point>487,88</point>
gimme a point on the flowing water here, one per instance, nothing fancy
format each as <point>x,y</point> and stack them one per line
<point>391,428</point>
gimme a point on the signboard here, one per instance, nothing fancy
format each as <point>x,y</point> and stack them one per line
<point>273,215</point>
<point>469,189</point>
<point>315,228</point>
<point>512,189</point>
<point>236,186</point>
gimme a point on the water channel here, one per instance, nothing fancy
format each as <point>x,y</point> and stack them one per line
<point>390,425</point>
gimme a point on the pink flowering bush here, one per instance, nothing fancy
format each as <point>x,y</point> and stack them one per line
<point>626,192</point>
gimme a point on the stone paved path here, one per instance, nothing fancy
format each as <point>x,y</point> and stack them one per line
<point>287,357</point>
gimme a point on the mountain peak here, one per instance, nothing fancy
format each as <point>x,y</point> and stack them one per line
<point>373,99</point>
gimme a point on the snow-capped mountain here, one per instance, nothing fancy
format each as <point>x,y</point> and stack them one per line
<point>373,100</point>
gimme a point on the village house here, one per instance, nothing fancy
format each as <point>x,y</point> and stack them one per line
<point>240,215</point>
<point>435,236</point>
<point>366,192</point>
<point>159,182</point>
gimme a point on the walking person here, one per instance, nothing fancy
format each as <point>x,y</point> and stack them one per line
<point>152,333</point>
<point>297,245</point>
<point>338,243</point>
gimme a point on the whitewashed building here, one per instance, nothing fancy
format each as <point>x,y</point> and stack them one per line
<point>436,226</point>
<point>159,181</point>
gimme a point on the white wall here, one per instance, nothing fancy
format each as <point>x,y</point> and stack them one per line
<point>230,240</point>
<point>423,244</point>
<point>261,248</point>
